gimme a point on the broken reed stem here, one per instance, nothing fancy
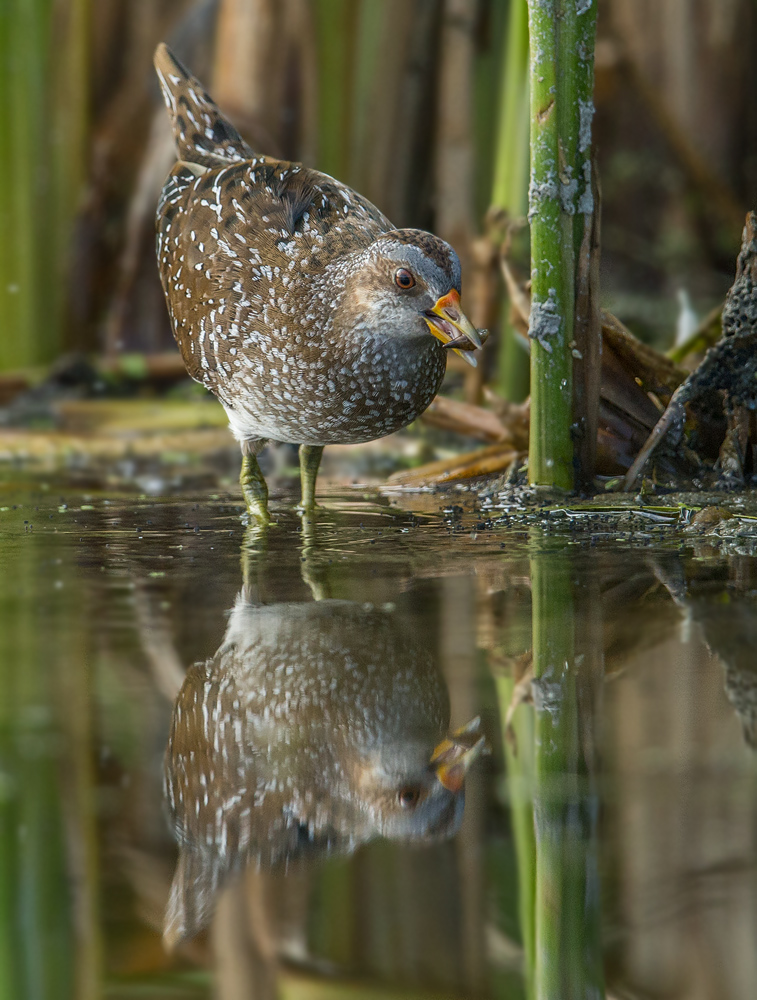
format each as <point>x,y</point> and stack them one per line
<point>561,75</point>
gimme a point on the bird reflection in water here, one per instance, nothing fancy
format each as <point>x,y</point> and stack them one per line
<point>315,728</point>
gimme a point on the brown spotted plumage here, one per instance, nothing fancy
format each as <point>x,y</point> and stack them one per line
<point>288,293</point>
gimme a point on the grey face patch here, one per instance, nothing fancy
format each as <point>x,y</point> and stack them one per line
<point>431,259</point>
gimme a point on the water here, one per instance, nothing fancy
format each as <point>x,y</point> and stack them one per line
<point>607,844</point>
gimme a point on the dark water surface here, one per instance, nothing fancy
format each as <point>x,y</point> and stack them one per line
<point>274,815</point>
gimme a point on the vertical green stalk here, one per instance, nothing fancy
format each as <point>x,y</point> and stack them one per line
<point>336,27</point>
<point>23,57</point>
<point>7,247</point>
<point>371,19</point>
<point>44,87</point>
<point>568,944</point>
<point>67,138</point>
<point>511,163</point>
<point>561,43</point>
<point>510,185</point>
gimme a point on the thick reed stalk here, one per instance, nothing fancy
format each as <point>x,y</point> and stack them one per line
<point>23,53</point>
<point>562,52</point>
<point>568,948</point>
<point>510,186</point>
<point>44,84</point>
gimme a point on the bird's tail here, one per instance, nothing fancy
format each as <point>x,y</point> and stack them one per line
<point>201,133</point>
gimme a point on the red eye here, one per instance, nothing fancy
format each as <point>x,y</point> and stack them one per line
<point>404,279</point>
<point>408,796</point>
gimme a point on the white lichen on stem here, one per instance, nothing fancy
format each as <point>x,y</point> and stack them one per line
<point>562,51</point>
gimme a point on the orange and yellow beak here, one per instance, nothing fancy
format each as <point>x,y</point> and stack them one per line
<point>451,326</point>
<point>452,758</point>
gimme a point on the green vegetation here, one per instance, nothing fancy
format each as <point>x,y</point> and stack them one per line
<point>36,939</point>
<point>562,47</point>
<point>44,53</point>
<point>519,746</point>
<point>510,188</point>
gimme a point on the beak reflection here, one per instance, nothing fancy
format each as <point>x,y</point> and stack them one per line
<point>453,757</point>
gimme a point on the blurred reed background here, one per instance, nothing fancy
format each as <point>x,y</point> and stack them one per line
<point>420,104</point>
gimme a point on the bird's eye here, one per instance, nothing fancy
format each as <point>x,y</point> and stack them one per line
<point>408,796</point>
<point>404,279</point>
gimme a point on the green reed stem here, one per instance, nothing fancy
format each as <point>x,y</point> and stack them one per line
<point>336,27</point>
<point>44,87</point>
<point>562,52</point>
<point>510,187</point>
<point>67,139</point>
<point>22,55</point>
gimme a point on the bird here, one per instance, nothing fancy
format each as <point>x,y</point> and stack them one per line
<point>315,728</point>
<point>292,298</point>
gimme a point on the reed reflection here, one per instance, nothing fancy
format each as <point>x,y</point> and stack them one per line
<point>315,728</point>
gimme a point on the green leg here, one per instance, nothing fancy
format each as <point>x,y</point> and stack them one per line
<point>310,459</point>
<point>255,489</point>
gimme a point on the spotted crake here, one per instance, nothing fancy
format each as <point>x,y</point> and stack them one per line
<point>292,298</point>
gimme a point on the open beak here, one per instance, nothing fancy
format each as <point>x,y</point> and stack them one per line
<point>448,323</point>
<point>452,758</point>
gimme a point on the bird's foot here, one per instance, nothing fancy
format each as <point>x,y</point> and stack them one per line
<point>254,490</point>
<point>308,507</point>
<point>257,515</point>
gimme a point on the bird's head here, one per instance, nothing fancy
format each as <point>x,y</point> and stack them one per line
<point>408,284</point>
<point>416,797</point>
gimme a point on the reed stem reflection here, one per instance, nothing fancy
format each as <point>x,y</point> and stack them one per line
<point>551,763</point>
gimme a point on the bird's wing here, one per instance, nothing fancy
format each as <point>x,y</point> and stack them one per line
<point>240,248</point>
<point>201,132</point>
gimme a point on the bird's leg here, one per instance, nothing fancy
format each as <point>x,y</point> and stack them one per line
<point>310,459</point>
<point>254,488</point>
